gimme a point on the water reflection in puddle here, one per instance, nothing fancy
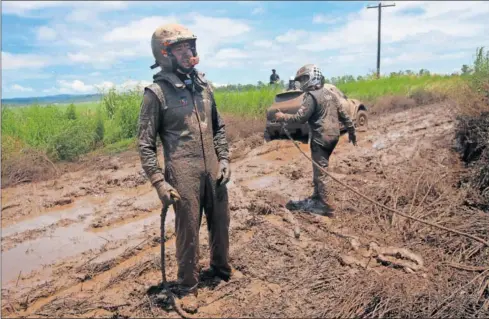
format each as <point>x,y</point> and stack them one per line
<point>65,241</point>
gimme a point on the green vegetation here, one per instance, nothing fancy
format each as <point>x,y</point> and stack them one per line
<point>250,101</point>
<point>64,132</point>
<point>403,85</point>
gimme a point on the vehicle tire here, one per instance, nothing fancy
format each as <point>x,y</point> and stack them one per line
<point>362,121</point>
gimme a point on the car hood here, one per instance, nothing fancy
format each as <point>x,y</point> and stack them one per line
<point>288,102</point>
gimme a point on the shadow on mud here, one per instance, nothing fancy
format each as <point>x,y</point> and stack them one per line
<point>161,298</point>
<point>311,206</point>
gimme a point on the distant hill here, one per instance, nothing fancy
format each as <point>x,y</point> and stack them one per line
<point>53,99</point>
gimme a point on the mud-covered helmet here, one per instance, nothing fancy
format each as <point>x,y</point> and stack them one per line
<point>310,77</point>
<point>163,38</point>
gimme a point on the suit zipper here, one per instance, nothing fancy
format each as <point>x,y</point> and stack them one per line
<point>200,130</point>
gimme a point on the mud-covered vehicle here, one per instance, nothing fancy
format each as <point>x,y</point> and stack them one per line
<point>290,101</point>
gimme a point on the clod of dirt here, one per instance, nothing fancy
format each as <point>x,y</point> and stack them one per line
<point>392,103</point>
<point>267,202</point>
<point>114,164</point>
<point>58,202</point>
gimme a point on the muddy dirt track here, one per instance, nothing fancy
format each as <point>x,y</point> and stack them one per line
<point>87,243</point>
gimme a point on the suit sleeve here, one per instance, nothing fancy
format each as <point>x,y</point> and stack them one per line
<point>343,116</point>
<point>304,112</point>
<point>219,132</point>
<point>149,119</point>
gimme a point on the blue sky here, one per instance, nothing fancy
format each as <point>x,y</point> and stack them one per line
<point>55,47</point>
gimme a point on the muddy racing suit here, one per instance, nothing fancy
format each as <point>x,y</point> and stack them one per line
<point>194,141</point>
<point>323,111</point>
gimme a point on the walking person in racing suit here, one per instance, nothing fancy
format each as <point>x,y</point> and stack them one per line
<point>323,111</point>
<point>180,108</point>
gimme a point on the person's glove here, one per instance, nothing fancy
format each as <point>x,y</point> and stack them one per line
<point>167,194</point>
<point>224,173</point>
<point>279,116</point>
<point>352,138</point>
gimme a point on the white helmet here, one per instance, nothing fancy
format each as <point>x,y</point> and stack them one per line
<point>310,77</point>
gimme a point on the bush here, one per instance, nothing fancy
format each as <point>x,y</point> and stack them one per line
<point>122,109</point>
<point>71,112</point>
<point>72,141</point>
<point>99,127</point>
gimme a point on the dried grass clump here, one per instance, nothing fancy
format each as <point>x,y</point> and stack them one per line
<point>27,165</point>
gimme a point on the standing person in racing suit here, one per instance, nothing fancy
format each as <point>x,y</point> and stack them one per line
<point>323,111</point>
<point>180,108</point>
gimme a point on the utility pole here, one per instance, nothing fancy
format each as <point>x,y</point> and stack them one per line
<point>379,7</point>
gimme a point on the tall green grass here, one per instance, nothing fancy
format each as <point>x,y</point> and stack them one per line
<point>251,102</point>
<point>65,132</point>
<point>404,85</point>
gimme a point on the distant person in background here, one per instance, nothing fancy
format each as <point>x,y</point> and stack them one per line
<point>274,78</point>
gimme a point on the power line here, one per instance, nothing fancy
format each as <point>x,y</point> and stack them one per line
<point>379,7</point>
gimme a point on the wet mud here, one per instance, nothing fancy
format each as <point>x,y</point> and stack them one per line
<point>88,243</point>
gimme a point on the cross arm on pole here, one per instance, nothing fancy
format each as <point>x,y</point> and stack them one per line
<point>381,5</point>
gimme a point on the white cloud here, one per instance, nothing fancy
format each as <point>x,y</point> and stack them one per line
<point>105,59</point>
<point>79,57</point>
<point>21,88</point>
<point>75,86</point>
<point>221,28</point>
<point>133,84</point>
<point>78,86</point>
<point>211,32</point>
<point>258,10</point>
<point>228,57</point>
<point>46,34</point>
<point>291,36</point>
<point>231,54</point>
<point>263,44</point>
<point>80,42</point>
<point>430,34</point>
<point>11,61</point>
<point>88,12</point>
<point>104,85</point>
<point>137,30</point>
<point>397,26</point>
<point>51,90</point>
<point>325,19</point>
<point>24,8</point>
<point>422,56</point>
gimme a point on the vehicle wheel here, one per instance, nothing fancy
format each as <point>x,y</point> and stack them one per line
<point>362,121</point>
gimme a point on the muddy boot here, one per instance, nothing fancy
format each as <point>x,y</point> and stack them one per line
<point>315,194</point>
<point>186,298</point>
<point>212,272</point>
<point>323,198</point>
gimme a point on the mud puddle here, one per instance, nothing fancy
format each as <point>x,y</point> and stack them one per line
<point>78,212</point>
<point>69,241</point>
